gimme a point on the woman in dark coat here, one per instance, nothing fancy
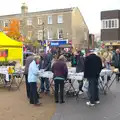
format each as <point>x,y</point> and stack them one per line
<point>60,72</point>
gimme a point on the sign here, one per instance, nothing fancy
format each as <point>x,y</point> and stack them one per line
<point>3,53</point>
<point>57,43</point>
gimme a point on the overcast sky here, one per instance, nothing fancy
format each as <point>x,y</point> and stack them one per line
<point>90,9</point>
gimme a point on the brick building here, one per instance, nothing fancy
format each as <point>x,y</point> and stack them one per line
<point>58,24</point>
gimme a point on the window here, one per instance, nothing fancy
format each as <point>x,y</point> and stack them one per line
<point>29,34</point>
<point>49,19</point>
<point>60,19</point>
<point>50,34</point>
<point>116,23</point>
<point>39,21</point>
<point>85,36</point>
<point>60,33</point>
<point>40,35</point>
<point>110,24</point>
<point>29,22</point>
<point>113,23</point>
<point>6,23</point>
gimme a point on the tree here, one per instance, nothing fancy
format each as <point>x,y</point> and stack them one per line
<point>13,30</point>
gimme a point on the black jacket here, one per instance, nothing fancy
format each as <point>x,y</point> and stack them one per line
<point>45,62</point>
<point>93,66</point>
<point>116,60</point>
<point>80,64</point>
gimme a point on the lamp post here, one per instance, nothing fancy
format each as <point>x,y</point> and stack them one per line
<point>43,29</point>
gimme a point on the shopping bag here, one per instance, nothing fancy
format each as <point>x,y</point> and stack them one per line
<point>85,85</point>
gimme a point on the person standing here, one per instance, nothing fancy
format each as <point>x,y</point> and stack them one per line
<point>93,67</point>
<point>45,64</point>
<point>28,61</point>
<point>116,61</point>
<point>107,58</point>
<point>73,60</point>
<point>60,72</point>
<point>80,64</point>
<point>80,68</point>
<point>32,80</point>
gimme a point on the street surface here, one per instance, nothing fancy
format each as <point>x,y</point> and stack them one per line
<point>108,109</point>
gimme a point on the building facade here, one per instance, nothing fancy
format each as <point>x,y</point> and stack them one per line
<point>58,24</point>
<point>110,31</point>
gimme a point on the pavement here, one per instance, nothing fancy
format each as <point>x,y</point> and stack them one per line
<point>108,109</point>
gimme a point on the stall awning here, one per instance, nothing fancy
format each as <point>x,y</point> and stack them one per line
<point>8,42</point>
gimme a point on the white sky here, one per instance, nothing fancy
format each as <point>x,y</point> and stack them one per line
<point>90,9</point>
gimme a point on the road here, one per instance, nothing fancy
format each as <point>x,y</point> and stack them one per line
<point>109,109</point>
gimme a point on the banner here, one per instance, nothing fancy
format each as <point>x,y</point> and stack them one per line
<point>3,53</point>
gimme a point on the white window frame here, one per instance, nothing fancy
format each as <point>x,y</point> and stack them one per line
<point>58,33</point>
<point>49,38</point>
<point>107,25</point>
<point>29,34</point>
<point>39,21</point>
<point>85,36</point>
<point>50,19</point>
<point>40,36</point>
<point>60,19</point>
<point>29,22</point>
<point>6,21</point>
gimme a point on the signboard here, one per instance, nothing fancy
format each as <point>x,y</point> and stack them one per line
<point>3,53</point>
<point>57,43</point>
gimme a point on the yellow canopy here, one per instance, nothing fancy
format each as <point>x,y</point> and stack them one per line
<point>15,49</point>
<point>6,41</point>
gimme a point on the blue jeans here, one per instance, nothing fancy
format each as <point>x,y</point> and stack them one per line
<point>45,85</point>
<point>107,65</point>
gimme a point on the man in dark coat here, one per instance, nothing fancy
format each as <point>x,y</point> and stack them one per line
<point>60,72</point>
<point>80,68</point>
<point>28,61</point>
<point>80,64</point>
<point>116,61</point>
<point>45,63</point>
<point>93,67</point>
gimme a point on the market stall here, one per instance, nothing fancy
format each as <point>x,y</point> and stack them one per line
<point>10,50</point>
<point>74,77</point>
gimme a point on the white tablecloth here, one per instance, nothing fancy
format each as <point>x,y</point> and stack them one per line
<point>72,74</point>
<point>4,71</point>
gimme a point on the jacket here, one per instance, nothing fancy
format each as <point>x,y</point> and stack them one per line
<point>73,61</point>
<point>116,60</point>
<point>93,66</point>
<point>28,61</point>
<point>33,72</point>
<point>60,69</point>
<point>80,64</point>
<point>45,62</point>
<point>107,56</point>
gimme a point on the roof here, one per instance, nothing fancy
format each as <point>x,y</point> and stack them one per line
<point>110,10</point>
<point>43,12</point>
<point>6,41</point>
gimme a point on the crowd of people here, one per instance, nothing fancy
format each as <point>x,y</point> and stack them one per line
<point>91,64</point>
